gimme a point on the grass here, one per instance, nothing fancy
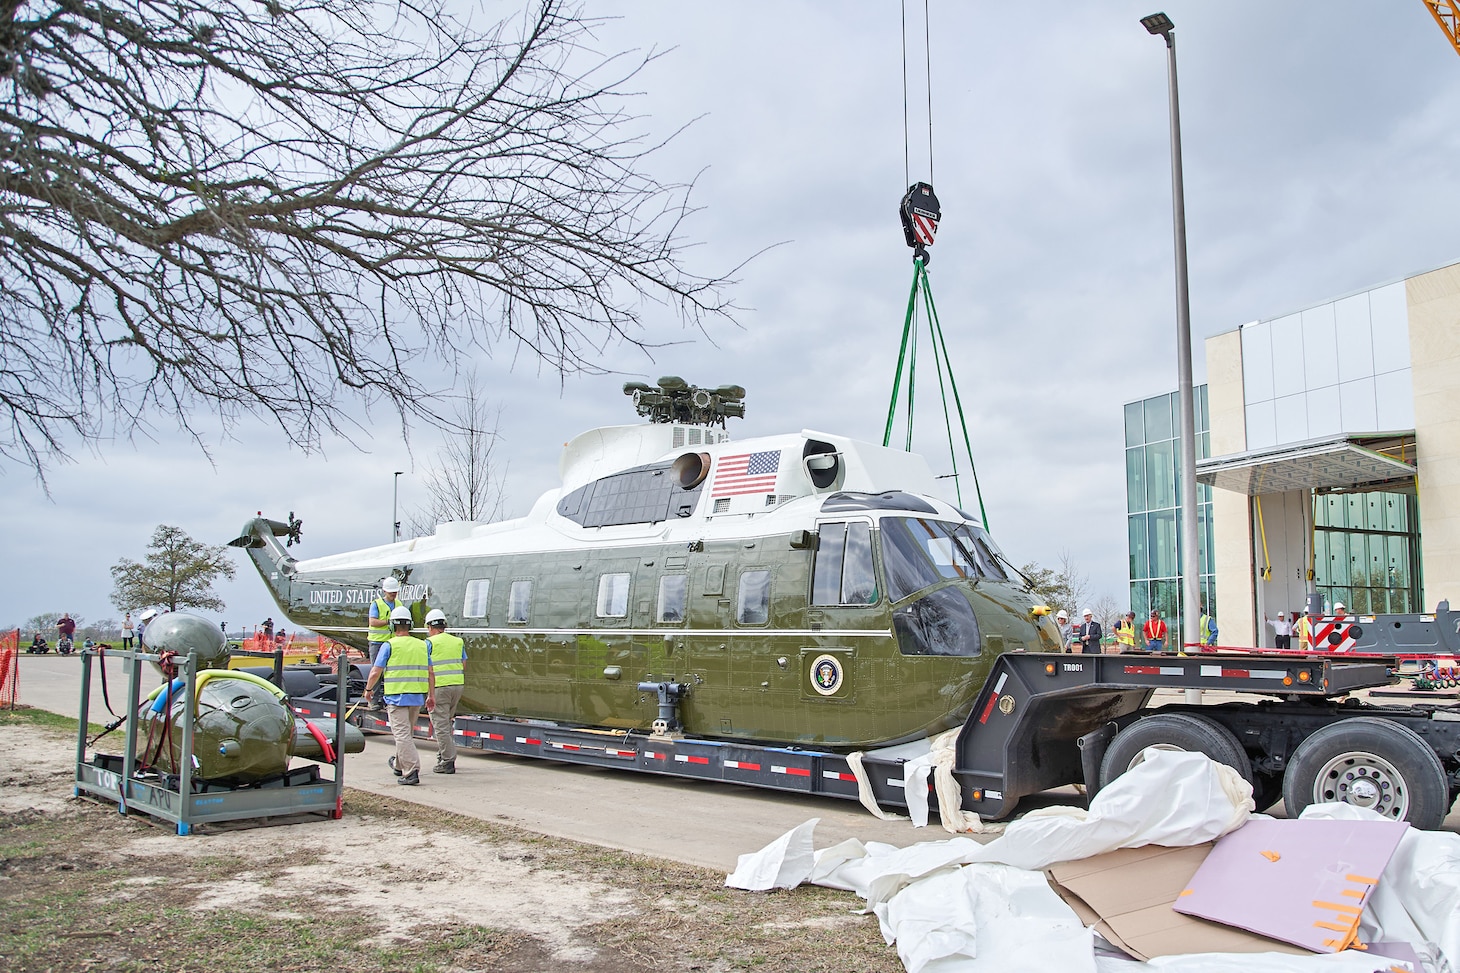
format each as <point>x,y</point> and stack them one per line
<point>23,715</point>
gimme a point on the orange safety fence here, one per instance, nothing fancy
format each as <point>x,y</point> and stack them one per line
<point>9,668</point>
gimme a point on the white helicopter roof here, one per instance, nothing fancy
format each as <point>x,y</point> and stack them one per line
<point>616,480</point>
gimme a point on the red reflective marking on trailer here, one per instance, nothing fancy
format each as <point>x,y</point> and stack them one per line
<point>741,765</point>
<point>467,733</point>
<point>529,741</point>
<point>687,758</point>
<point>837,775</point>
<point>619,753</point>
<point>793,771</point>
<point>495,736</point>
<point>1143,670</point>
<point>564,746</point>
<point>329,715</point>
<point>988,708</point>
<point>652,755</point>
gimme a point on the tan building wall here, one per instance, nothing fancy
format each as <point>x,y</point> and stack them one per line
<point>1434,347</point>
<point>1231,512</point>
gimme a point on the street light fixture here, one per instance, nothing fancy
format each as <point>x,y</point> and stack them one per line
<point>395,507</point>
<point>1159,23</point>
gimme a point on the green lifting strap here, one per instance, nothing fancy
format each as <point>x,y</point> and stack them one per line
<point>907,357</point>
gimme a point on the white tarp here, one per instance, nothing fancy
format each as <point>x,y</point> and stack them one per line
<point>958,906</point>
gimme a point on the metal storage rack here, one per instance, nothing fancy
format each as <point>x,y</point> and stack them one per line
<point>181,798</point>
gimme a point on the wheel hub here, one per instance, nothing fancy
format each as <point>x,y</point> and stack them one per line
<point>1364,780</point>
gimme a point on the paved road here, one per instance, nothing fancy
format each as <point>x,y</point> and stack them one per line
<point>698,822</point>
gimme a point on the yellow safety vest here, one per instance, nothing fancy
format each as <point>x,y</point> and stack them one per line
<point>1125,632</point>
<point>383,608</point>
<point>406,671</point>
<point>448,659</point>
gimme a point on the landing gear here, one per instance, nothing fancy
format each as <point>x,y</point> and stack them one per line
<point>1373,763</point>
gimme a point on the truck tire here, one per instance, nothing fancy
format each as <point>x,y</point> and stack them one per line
<point>1369,762</point>
<point>1173,731</point>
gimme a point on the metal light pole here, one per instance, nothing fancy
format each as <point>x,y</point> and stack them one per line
<point>1161,24</point>
<point>395,506</point>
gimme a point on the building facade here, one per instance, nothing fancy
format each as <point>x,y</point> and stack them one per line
<point>1153,522</point>
<point>1332,458</point>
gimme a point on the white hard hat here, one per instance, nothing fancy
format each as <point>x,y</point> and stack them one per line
<point>435,616</point>
<point>1087,612</point>
<point>390,585</point>
<point>1061,614</point>
<point>149,614</point>
<point>401,614</point>
<point>1339,606</point>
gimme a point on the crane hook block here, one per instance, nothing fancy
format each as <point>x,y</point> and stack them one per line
<point>920,215</point>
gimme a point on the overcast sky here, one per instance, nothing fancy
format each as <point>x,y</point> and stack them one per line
<point>1320,158</point>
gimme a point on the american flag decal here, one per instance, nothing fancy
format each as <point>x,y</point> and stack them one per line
<point>746,473</point>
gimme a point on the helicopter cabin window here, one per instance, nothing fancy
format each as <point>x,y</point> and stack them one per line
<point>475,604</point>
<point>844,574</point>
<point>519,601</point>
<point>613,596</point>
<point>753,607</point>
<point>672,590</point>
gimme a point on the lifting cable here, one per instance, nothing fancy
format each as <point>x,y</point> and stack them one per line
<point>920,214</point>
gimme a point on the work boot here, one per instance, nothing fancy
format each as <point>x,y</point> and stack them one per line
<point>444,767</point>
<point>393,767</point>
<point>414,777</point>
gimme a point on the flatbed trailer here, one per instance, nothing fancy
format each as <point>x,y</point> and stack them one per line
<point>1047,720</point>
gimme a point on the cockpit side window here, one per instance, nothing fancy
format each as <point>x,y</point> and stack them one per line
<point>918,552</point>
<point>844,574</point>
<point>904,561</point>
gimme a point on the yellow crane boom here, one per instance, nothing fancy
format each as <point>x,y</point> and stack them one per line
<point>1447,15</point>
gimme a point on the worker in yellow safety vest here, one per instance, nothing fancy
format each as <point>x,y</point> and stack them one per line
<point>448,665</point>
<point>379,630</point>
<point>1125,633</point>
<point>403,667</point>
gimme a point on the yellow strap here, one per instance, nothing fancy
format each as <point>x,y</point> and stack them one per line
<point>1266,572</point>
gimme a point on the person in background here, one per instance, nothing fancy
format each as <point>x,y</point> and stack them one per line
<point>1282,630</point>
<point>1090,634</point>
<point>127,631</point>
<point>1067,631</point>
<point>1207,627</point>
<point>1340,612</point>
<point>1125,632</point>
<point>66,627</point>
<point>142,624</point>
<point>1154,632</point>
<point>448,665</point>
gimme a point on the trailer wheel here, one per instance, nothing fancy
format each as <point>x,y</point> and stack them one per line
<point>1373,763</point>
<point>1173,731</point>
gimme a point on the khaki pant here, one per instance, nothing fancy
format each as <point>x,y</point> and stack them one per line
<point>443,721</point>
<point>402,727</point>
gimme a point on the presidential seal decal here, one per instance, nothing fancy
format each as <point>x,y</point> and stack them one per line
<point>826,674</point>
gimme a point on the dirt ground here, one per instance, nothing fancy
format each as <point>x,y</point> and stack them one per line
<point>392,886</point>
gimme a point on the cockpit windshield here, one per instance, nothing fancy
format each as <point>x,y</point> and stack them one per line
<point>918,552</point>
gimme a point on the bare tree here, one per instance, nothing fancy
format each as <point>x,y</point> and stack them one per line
<point>465,479</point>
<point>238,207</point>
<point>1062,590</point>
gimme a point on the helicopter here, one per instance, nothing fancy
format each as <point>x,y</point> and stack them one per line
<point>801,589</point>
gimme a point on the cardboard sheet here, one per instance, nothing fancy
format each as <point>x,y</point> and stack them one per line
<point>1127,896</point>
<point>1304,882</point>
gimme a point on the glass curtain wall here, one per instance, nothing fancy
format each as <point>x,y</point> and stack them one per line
<point>1366,551</point>
<point>1152,471</point>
